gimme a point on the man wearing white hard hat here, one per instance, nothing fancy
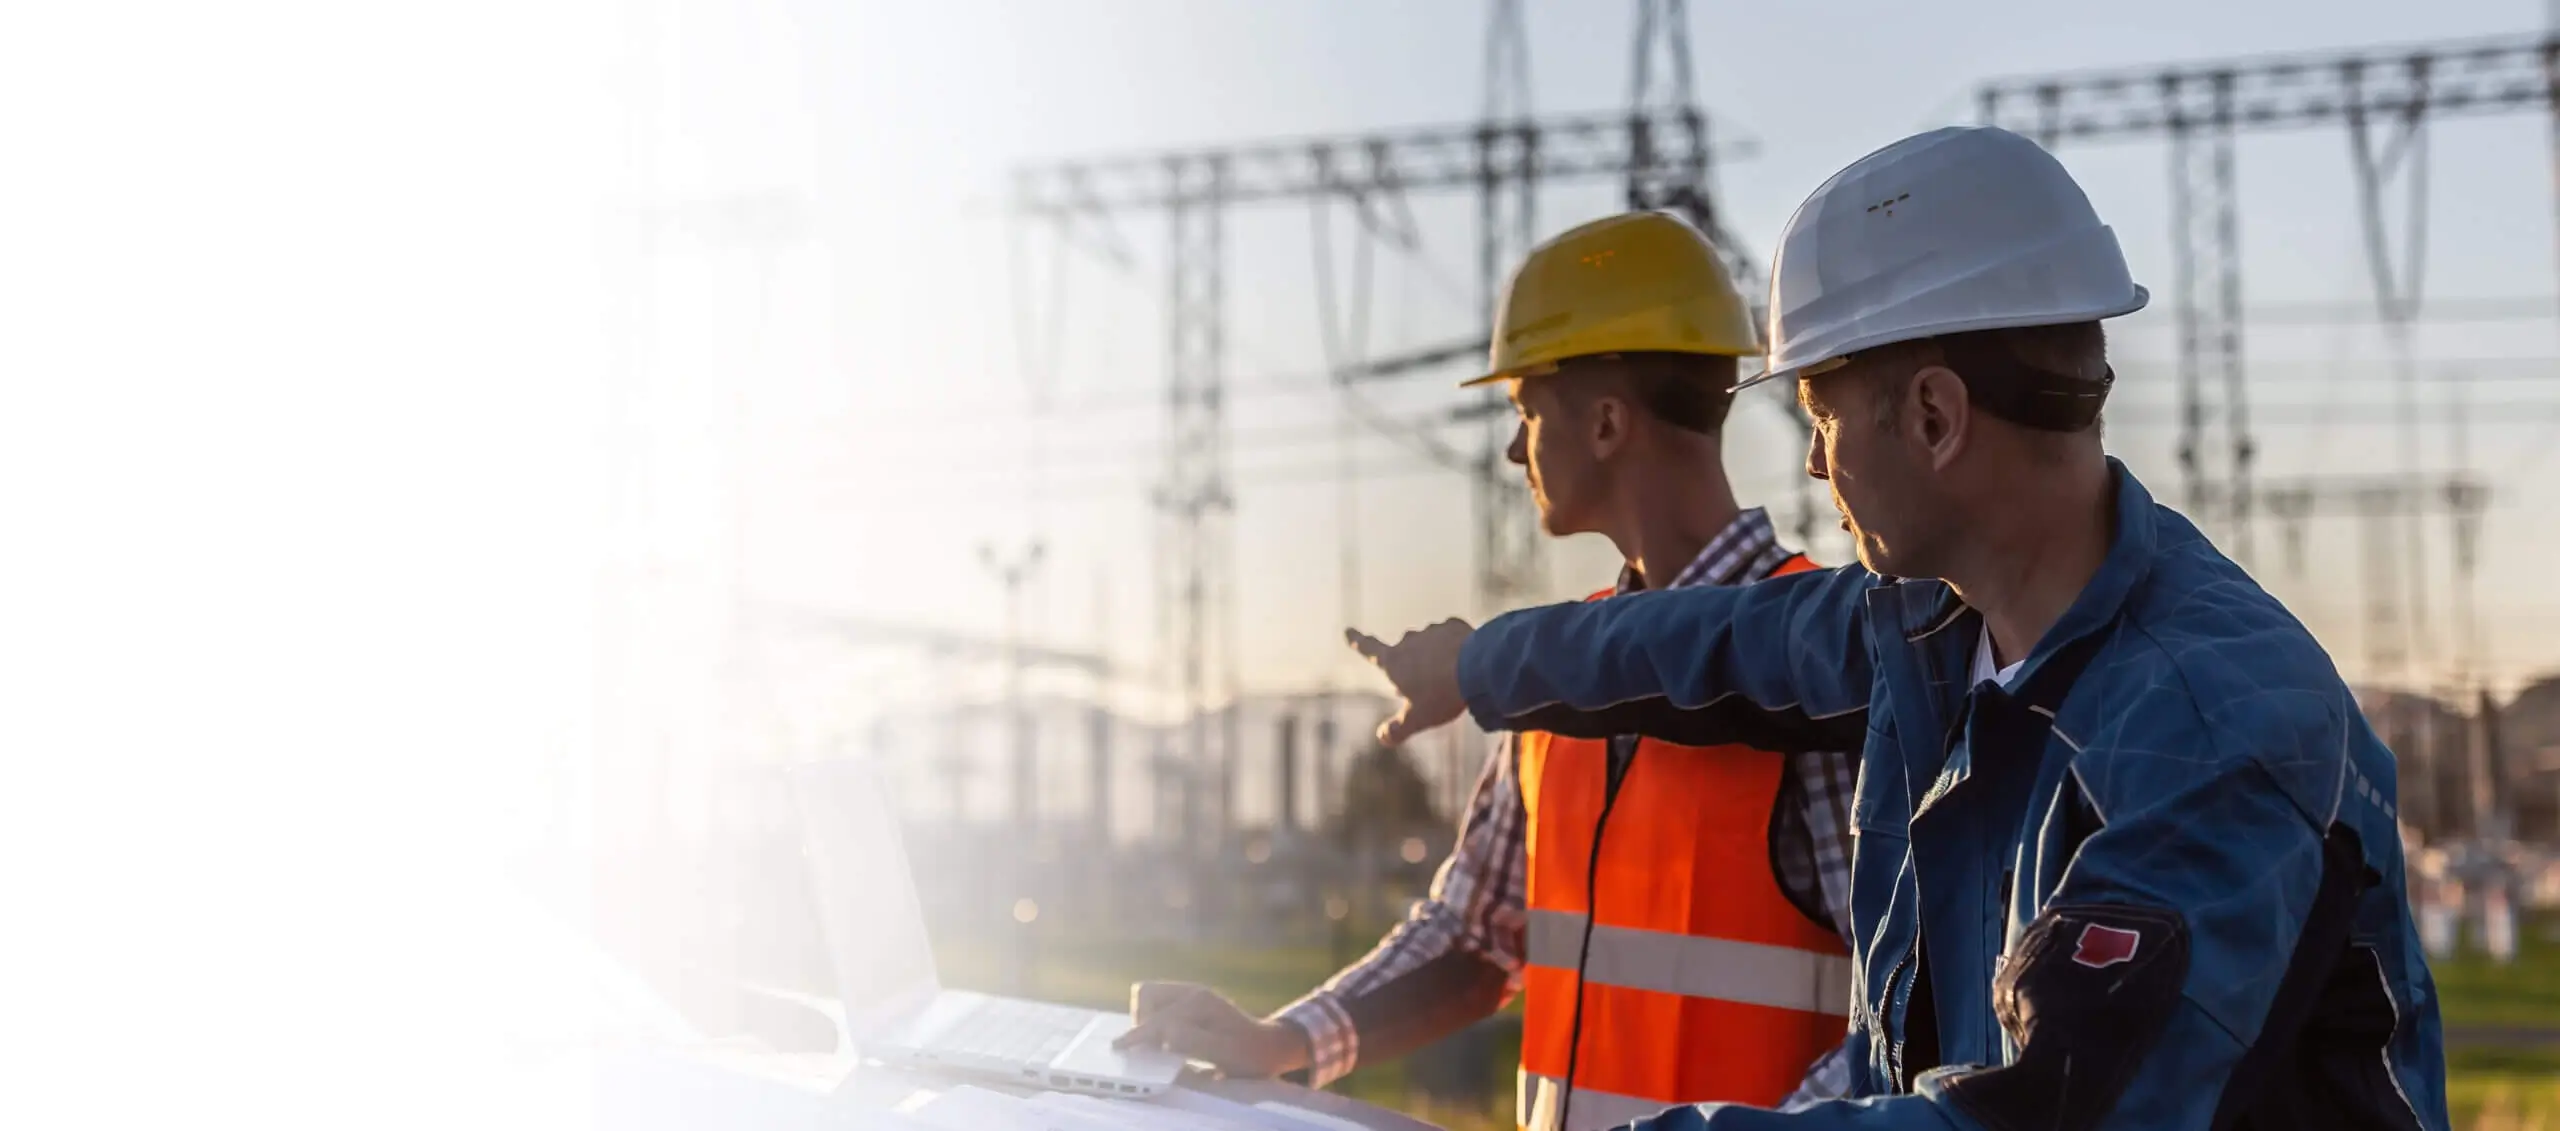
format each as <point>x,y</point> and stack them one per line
<point>2128,854</point>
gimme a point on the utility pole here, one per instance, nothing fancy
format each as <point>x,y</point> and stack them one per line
<point>1014,572</point>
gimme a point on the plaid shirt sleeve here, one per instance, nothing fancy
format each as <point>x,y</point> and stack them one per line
<point>1478,907</point>
<point>1830,779</point>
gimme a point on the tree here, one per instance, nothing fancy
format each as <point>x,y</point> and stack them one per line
<point>1384,800</point>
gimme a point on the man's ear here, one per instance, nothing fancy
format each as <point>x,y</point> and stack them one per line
<point>1610,424</point>
<point>1938,414</point>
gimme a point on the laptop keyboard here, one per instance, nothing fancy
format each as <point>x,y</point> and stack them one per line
<point>1024,1032</point>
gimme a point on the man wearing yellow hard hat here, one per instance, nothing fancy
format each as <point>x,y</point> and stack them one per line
<point>1673,914</point>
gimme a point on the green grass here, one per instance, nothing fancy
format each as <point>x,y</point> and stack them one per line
<point>2496,1089</point>
<point>2473,991</point>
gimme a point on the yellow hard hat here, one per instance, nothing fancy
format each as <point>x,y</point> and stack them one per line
<point>1642,281</point>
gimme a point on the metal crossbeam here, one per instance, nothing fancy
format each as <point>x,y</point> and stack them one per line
<point>1430,158</point>
<point>2274,92</point>
<point>2297,499</point>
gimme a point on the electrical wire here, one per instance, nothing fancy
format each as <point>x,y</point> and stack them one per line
<point>1339,349</point>
<point>970,462</point>
<point>1339,353</point>
<point>2269,373</point>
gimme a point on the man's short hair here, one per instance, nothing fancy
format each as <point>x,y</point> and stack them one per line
<point>2071,350</point>
<point>1691,391</point>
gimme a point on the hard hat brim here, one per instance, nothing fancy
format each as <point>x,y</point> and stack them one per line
<point>1761,378</point>
<point>1539,369</point>
<point>2140,298</point>
<point>1543,368</point>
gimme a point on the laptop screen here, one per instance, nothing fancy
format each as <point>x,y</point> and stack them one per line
<point>866,894</point>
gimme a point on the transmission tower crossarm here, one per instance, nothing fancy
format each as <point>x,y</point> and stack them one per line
<point>2445,78</point>
<point>2369,495</point>
<point>1568,147</point>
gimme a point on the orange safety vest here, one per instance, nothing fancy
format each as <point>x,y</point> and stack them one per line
<point>1701,981</point>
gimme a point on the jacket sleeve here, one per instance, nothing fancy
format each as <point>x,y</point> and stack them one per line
<point>1781,664</point>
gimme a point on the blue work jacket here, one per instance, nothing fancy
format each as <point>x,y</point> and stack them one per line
<point>2154,882</point>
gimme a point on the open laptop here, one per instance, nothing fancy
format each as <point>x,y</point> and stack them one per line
<point>896,1010</point>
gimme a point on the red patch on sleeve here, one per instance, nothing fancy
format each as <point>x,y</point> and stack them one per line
<point>2102,946</point>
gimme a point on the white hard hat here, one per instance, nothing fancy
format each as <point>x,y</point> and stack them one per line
<point>1964,228</point>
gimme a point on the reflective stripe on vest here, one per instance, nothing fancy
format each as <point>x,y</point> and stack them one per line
<point>1705,982</point>
<point>1780,977</point>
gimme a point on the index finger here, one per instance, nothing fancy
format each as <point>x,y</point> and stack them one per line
<point>1146,1034</point>
<point>1365,644</point>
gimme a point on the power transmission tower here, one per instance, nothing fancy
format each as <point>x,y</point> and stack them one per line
<point>1195,189</point>
<point>2201,108</point>
<point>1672,174</point>
<point>1680,176</point>
<point>1194,498</point>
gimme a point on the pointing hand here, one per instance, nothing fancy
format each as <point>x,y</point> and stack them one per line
<point>1423,666</point>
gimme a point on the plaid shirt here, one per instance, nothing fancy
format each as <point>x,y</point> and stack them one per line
<point>1477,912</point>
